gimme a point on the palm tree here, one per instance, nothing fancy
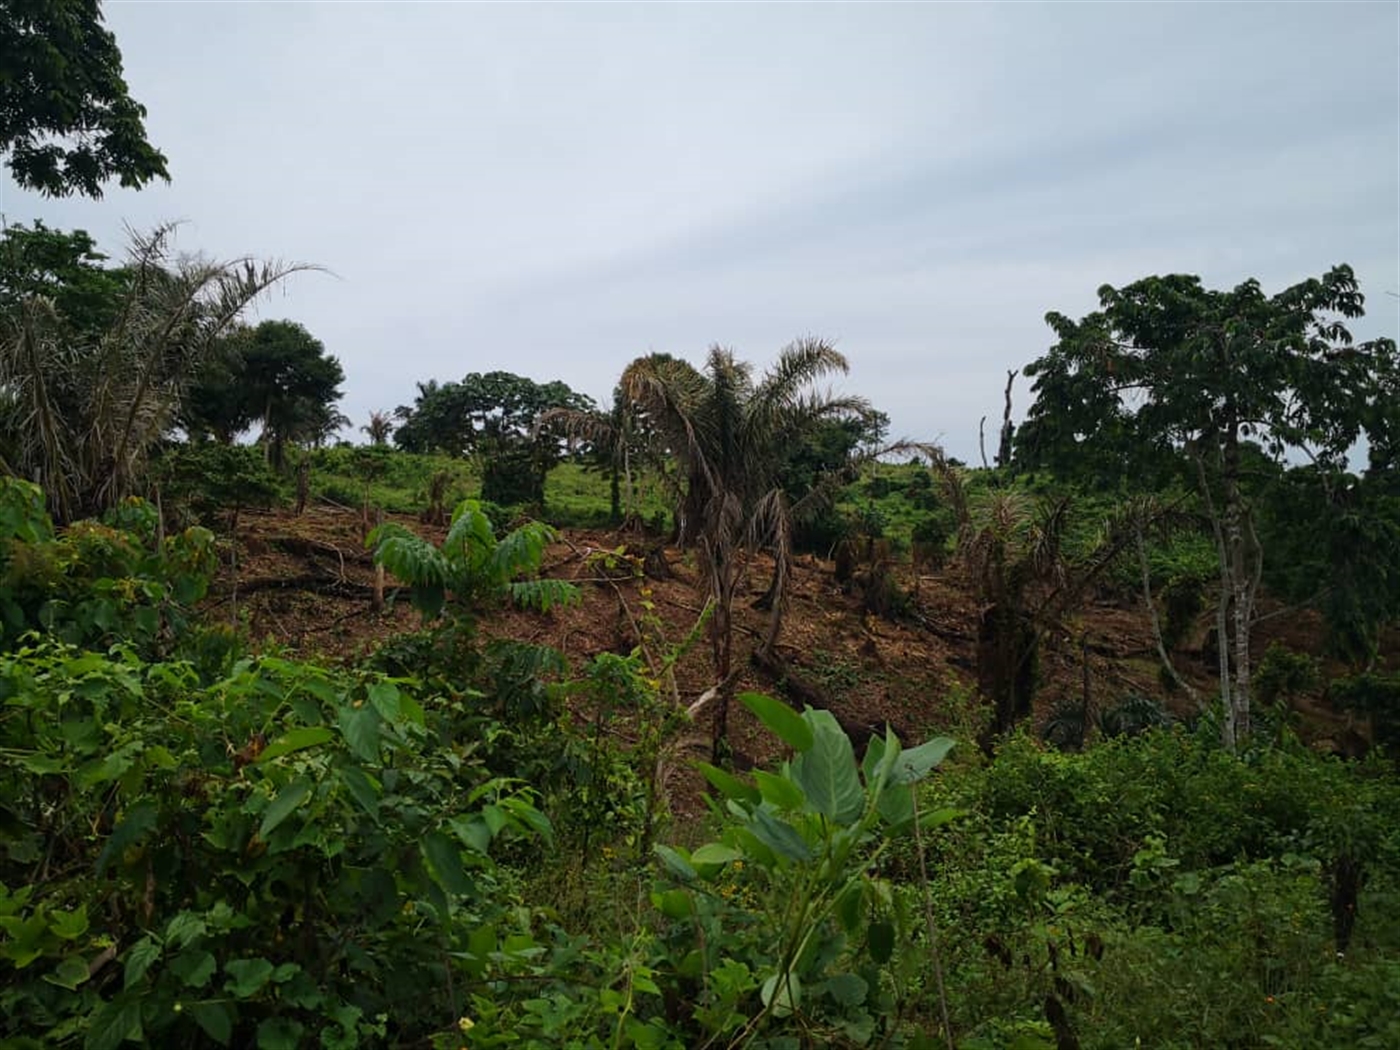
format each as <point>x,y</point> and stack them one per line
<point>729,435</point>
<point>380,425</point>
<point>81,414</point>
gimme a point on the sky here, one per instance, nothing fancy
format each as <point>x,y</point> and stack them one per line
<point>556,189</point>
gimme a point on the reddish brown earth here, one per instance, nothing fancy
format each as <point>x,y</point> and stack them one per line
<point>304,583</point>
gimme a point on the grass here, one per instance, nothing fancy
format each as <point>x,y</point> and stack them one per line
<point>399,483</point>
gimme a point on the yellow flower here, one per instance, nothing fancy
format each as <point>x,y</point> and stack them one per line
<point>466,1024</point>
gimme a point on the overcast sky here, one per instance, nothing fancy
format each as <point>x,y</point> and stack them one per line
<point>555,189</point>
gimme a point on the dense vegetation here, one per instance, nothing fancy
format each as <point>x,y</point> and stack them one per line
<point>459,838</point>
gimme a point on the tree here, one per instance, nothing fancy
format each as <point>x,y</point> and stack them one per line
<point>731,436</point>
<point>379,427</point>
<point>82,404</point>
<point>493,415</point>
<point>277,374</point>
<point>1168,370</point>
<point>65,268</point>
<point>67,122</point>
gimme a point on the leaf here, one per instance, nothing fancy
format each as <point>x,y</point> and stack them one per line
<point>247,976</point>
<point>848,989</point>
<point>779,790</point>
<point>39,764</point>
<point>278,1033</point>
<point>361,728</point>
<point>916,763</point>
<point>677,862</point>
<point>674,904</point>
<point>113,1024</point>
<point>384,696</point>
<point>296,740</point>
<point>783,997</point>
<point>826,772</point>
<point>284,805</point>
<point>139,958</point>
<point>779,836</point>
<point>938,817</point>
<point>715,853</point>
<point>139,819</point>
<point>881,941</point>
<point>445,863</point>
<point>70,925</point>
<point>69,974</point>
<point>215,1019</point>
<point>848,906</point>
<point>728,785</point>
<point>184,929</point>
<point>473,833</point>
<point>363,789</point>
<point>780,719</point>
<point>896,805</point>
<point>193,966</point>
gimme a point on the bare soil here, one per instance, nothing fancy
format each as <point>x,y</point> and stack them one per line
<point>304,583</point>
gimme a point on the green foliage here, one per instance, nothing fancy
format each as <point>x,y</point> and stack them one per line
<point>1334,540</point>
<point>206,478</point>
<point>472,568</point>
<point>496,416</point>
<point>783,932</point>
<point>89,397</point>
<point>98,583</point>
<point>285,851</point>
<point>67,123</point>
<point>1375,696</point>
<point>277,374</point>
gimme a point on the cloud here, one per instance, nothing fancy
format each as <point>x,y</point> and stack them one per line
<point>554,189</point>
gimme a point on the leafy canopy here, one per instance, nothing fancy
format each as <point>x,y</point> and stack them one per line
<point>67,122</point>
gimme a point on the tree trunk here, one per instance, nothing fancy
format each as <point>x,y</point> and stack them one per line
<point>1240,586</point>
<point>1007,430</point>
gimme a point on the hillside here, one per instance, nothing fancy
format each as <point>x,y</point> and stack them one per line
<point>305,582</point>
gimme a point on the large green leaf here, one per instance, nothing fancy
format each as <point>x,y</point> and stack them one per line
<point>779,790</point>
<point>247,976</point>
<point>279,1033</point>
<point>296,740</point>
<point>69,974</point>
<point>114,1023</point>
<point>361,728</point>
<point>445,862</point>
<point>715,853</point>
<point>216,1020</point>
<point>916,763</point>
<point>384,696</point>
<point>779,836</point>
<point>782,995</point>
<point>729,785</point>
<point>677,861</point>
<point>139,958</point>
<point>782,720</point>
<point>826,772</point>
<point>363,789</point>
<point>288,800</point>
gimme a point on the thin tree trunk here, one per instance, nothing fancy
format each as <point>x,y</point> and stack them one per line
<point>376,602</point>
<point>1007,431</point>
<point>1228,735</point>
<point>1156,621</point>
<point>1240,589</point>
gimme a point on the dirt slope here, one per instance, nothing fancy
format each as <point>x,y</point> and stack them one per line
<point>305,582</point>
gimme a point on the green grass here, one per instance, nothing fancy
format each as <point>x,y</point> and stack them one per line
<point>573,496</point>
